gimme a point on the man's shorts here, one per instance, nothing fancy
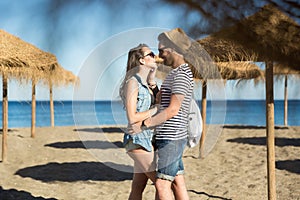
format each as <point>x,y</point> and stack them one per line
<point>169,154</point>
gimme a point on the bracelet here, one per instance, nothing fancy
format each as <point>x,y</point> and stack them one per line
<point>153,110</point>
<point>151,85</point>
<point>143,125</point>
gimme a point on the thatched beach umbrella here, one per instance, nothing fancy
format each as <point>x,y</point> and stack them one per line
<point>274,37</point>
<point>280,71</point>
<point>270,33</point>
<point>233,63</point>
<point>21,61</point>
<point>240,70</point>
<point>24,62</point>
<point>221,50</point>
<point>58,77</point>
<point>232,70</point>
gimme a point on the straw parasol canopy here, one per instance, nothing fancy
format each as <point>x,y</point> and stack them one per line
<point>23,61</point>
<point>58,76</point>
<point>279,69</point>
<point>233,70</point>
<point>270,33</point>
<point>222,50</point>
<point>238,70</point>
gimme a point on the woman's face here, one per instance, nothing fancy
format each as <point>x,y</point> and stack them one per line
<point>148,57</point>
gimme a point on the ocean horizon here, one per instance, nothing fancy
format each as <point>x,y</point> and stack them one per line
<point>70,113</point>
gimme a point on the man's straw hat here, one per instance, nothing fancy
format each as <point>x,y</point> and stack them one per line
<point>176,38</point>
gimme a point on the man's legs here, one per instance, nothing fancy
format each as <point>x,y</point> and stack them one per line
<point>170,169</point>
<point>163,188</point>
<point>179,188</point>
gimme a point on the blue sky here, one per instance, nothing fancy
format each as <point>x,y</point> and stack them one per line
<point>80,34</point>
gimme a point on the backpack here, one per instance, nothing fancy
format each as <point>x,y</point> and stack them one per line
<point>194,124</point>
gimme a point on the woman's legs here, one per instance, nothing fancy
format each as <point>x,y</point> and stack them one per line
<point>143,162</point>
<point>138,185</point>
<point>144,169</point>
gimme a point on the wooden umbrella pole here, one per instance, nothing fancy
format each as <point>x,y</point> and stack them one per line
<point>4,118</point>
<point>51,106</point>
<point>33,109</point>
<point>285,101</point>
<point>270,131</point>
<point>203,113</point>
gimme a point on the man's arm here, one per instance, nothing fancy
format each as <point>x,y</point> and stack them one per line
<point>168,113</point>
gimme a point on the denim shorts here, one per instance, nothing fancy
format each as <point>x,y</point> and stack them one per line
<point>169,154</point>
<point>142,139</point>
<point>130,146</point>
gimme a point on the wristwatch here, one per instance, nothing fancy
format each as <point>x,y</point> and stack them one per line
<point>143,125</point>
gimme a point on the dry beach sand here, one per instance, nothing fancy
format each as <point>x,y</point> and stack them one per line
<point>89,163</point>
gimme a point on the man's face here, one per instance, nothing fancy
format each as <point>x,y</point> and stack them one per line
<point>165,54</point>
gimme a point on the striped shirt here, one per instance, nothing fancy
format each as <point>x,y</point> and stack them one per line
<point>178,81</point>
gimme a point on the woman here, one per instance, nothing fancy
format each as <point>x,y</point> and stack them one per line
<point>138,92</point>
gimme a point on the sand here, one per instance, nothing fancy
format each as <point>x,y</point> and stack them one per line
<point>85,162</point>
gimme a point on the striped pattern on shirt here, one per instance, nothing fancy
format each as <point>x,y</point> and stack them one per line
<point>178,81</point>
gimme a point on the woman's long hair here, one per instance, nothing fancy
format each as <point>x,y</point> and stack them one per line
<point>133,61</point>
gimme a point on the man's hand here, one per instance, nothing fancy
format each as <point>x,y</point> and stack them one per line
<point>134,128</point>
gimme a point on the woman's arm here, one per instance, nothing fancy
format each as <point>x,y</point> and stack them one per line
<point>131,102</point>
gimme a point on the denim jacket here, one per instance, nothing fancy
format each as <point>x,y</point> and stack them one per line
<point>143,138</point>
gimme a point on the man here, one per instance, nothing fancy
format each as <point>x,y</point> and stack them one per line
<point>171,121</point>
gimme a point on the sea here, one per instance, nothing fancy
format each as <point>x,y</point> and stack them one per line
<point>98,113</point>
